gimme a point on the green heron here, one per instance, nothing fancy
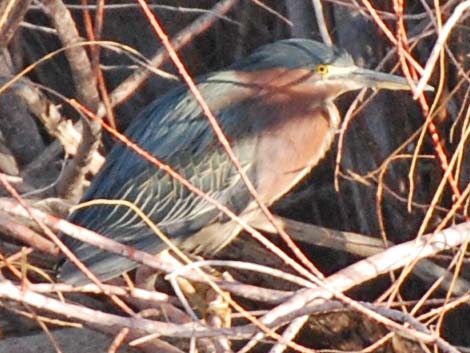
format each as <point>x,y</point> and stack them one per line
<point>276,109</point>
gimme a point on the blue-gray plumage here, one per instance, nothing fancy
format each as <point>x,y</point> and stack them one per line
<point>276,109</point>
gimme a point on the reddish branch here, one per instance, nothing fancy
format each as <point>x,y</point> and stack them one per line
<point>184,37</point>
<point>315,273</point>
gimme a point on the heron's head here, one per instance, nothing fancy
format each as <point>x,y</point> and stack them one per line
<point>329,68</point>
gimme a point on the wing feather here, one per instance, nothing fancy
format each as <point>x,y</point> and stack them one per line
<point>174,130</point>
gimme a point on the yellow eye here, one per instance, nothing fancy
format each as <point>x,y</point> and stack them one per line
<point>321,69</point>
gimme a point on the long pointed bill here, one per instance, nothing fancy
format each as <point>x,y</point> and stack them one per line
<point>375,79</point>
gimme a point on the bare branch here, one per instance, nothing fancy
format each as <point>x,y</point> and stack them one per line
<point>71,182</point>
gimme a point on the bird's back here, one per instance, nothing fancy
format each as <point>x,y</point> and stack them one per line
<point>174,130</point>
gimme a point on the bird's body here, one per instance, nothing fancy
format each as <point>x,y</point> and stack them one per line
<point>276,110</point>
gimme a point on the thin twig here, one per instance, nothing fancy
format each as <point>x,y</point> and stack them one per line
<point>182,38</point>
<point>322,27</point>
<point>315,273</point>
<point>289,333</point>
<point>441,39</point>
